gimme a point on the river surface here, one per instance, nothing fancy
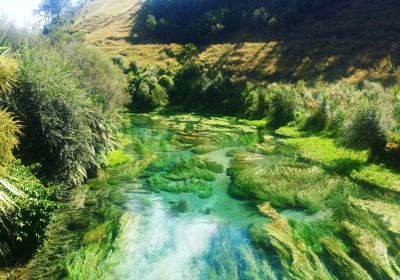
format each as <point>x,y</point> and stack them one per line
<point>166,236</point>
<point>208,240</point>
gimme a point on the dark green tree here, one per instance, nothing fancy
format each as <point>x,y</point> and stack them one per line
<point>53,10</point>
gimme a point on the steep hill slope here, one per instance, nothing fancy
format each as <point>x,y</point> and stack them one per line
<point>355,40</point>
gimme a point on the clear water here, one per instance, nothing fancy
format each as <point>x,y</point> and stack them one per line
<point>210,240</point>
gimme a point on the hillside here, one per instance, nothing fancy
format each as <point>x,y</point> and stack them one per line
<point>355,40</point>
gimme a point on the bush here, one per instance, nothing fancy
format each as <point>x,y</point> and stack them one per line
<point>371,119</point>
<point>30,218</point>
<point>9,131</point>
<point>158,97</point>
<point>104,82</point>
<point>8,69</point>
<point>63,128</point>
<point>118,60</point>
<point>283,105</point>
<point>256,102</point>
<point>319,117</point>
<point>149,91</point>
<point>166,82</point>
<point>366,128</point>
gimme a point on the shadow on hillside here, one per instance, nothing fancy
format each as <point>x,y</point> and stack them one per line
<point>313,61</point>
<point>364,45</point>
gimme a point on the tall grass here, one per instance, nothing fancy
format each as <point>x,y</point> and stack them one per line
<point>10,129</point>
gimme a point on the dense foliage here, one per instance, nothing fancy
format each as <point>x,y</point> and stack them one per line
<point>9,132</point>
<point>213,20</point>
<point>67,113</point>
<point>24,229</point>
<point>149,88</point>
<point>365,116</point>
<point>59,112</point>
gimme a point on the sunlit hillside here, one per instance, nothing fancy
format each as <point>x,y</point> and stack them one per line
<point>308,55</point>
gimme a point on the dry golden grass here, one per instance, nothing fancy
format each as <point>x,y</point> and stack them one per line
<point>108,25</point>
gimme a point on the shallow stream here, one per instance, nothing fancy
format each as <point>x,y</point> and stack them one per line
<point>162,235</point>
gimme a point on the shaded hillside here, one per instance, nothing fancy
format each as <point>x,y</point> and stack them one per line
<point>208,21</point>
<point>349,40</point>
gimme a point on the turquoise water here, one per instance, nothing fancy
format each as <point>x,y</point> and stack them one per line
<point>209,240</point>
<point>160,235</point>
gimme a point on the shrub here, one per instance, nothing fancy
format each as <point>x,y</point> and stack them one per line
<point>31,216</point>
<point>186,53</point>
<point>133,67</point>
<point>365,128</point>
<point>158,97</point>
<point>148,90</point>
<point>8,69</point>
<point>256,101</point>
<point>283,105</point>
<point>62,127</point>
<point>151,23</point>
<point>318,119</point>
<point>371,120</point>
<point>166,82</point>
<point>9,131</point>
<point>104,82</point>
<point>187,82</point>
<point>118,60</point>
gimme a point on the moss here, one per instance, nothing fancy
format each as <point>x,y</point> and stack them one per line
<point>232,152</point>
<point>180,207</point>
<point>159,183</point>
<point>214,166</point>
<point>378,175</point>
<point>289,132</point>
<point>312,232</point>
<point>328,153</point>
<point>113,181</point>
<point>387,213</point>
<point>288,185</point>
<point>195,168</point>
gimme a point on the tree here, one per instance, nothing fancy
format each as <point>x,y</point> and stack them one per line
<point>53,10</point>
<point>151,23</point>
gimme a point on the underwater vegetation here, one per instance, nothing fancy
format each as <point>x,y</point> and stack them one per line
<point>320,222</point>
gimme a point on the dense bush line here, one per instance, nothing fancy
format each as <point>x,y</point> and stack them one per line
<point>212,20</point>
<point>361,116</point>
<point>68,102</point>
<point>59,112</point>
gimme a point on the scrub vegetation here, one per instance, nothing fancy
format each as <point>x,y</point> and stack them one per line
<point>314,165</point>
<point>59,114</point>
